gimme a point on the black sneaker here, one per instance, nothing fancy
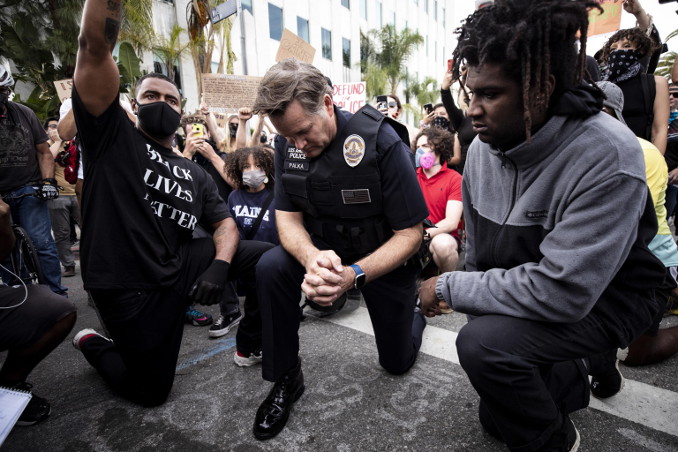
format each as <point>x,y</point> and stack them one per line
<point>197,318</point>
<point>564,440</point>
<point>37,410</point>
<point>607,383</point>
<point>224,324</point>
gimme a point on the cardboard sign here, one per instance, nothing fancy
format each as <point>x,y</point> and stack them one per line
<point>608,21</point>
<point>225,93</point>
<point>350,96</point>
<point>64,88</point>
<point>292,46</point>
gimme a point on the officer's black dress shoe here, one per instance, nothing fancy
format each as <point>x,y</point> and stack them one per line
<point>275,409</point>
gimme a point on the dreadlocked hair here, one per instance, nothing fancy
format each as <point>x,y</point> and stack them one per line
<point>236,161</point>
<point>531,40</point>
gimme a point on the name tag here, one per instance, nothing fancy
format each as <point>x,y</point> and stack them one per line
<point>296,165</point>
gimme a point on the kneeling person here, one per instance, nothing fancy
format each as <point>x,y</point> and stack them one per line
<point>349,214</point>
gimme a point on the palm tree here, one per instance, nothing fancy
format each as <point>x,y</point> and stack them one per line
<point>667,60</point>
<point>392,49</point>
<point>205,37</point>
<point>170,50</point>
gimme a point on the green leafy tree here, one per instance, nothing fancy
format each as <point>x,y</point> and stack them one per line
<point>667,60</point>
<point>389,50</point>
<point>205,37</point>
<point>41,38</point>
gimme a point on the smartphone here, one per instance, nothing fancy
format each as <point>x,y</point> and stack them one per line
<point>428,108</point>
<point>198,129</point>
<point>450,63</point>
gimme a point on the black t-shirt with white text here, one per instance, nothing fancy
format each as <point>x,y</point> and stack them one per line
<point>141,202</point>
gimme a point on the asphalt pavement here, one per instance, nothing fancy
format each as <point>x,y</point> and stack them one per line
<point>350,403</point>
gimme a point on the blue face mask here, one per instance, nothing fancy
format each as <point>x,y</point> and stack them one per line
<point>417,157</point>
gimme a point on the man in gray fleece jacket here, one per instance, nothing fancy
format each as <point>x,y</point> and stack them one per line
<point>558,218</point>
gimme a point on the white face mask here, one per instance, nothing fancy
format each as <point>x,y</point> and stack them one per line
<point>254,178</point>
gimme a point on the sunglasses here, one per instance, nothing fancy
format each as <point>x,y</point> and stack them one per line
<point>52,126</point>
<point>392,105</point>
<point>673,95</point>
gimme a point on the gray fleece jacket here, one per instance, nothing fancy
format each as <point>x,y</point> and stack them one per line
<point>558,228</point>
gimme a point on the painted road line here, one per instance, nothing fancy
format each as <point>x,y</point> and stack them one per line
<point>638,402</point>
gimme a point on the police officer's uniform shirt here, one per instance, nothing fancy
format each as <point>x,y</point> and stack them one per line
<point>404,204</point>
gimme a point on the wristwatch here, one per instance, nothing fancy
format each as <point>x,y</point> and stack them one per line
<point>360,276</point>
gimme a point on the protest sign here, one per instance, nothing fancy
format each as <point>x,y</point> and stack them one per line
<point>63,89</point>
<point>225,93</point>
<point>349,96</point>
<point>607,21</point>
<point>292,46</point>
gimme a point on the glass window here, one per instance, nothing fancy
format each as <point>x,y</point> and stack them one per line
<point>435,10</point>
<point>426,6</point>
<point>302,29</point>
<point>346,52</point>
<point>363,9</point>
<point>247,4</point>
<point>443,12</point>
<point>326,43</point>
<point>346,4</point>
<point>275,22</point>
<point>380,18</point>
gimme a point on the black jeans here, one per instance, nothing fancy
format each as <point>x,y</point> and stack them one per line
<point>146,326</point>
<point>390,301</point>
<point>529,373</point>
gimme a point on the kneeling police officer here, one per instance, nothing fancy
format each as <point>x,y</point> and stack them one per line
<point>349,212</point>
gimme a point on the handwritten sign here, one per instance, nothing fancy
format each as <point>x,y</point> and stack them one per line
<point>292,46</point>
<point>225,93</point>
<point>350,96</point>
<point>607,21</point>
<point>64,88</point>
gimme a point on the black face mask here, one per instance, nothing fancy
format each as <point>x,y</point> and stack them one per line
<point>233,128</point>
<point>158,119</point>
<point>442,122</point>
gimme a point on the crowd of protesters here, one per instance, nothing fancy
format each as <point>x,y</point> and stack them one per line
<point>493,207</point>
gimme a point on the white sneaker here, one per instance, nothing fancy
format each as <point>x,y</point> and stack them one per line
<point>246,361</point>
<point>83,334</point>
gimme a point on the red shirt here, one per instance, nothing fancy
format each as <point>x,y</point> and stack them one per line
<point>443,186</point>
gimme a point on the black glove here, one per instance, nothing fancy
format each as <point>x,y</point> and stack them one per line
<point>209,287</point>
<point>48,189</point>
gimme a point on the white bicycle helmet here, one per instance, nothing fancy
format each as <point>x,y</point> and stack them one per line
<point>5,77</point>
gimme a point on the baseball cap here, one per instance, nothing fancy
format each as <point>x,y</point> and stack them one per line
<point>615,98</point>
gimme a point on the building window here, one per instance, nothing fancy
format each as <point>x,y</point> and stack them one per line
<point>443,17</point>
<point>346,52</point>
<point>363,9</point>
<point>247,5</point>
<point>346,4</point>
<point>426,6</point>
<point>380,15</point>
<point>435,10</point>
<point>275,22</point>
<point>326,43</point>
<point>302,29</point>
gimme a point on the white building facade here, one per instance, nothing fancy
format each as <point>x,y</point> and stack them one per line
<point>332,27</point>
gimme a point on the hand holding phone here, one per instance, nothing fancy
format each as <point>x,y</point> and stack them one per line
<point>198,129</point>
<point>428,108</point>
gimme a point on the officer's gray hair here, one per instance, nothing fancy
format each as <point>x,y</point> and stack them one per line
<point>291,80</point>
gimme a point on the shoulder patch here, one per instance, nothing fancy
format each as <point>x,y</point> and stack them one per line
<point>354,150</point>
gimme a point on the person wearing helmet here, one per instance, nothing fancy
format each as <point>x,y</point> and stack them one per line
<point>27,166</point>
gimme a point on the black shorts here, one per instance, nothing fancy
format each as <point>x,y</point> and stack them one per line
<point>23,325</point>
<point>662,293</point>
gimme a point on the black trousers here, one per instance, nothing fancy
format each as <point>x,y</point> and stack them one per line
<point>146,326</point>
<point>390,301</point>
<point>528,374</point>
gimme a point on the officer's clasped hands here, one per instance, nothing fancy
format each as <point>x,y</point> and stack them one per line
<point>326,278</point>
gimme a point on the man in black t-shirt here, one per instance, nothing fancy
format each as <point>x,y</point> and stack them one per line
<point>141,203</point>
<point>27,167</point>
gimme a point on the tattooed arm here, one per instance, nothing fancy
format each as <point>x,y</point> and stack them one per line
<point>225,239</point>
<point>96,78</point>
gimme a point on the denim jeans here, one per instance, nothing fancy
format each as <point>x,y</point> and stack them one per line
<point>61,210</point>
<point>32,214</point>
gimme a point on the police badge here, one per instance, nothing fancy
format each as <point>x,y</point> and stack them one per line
<point>354,150</point>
